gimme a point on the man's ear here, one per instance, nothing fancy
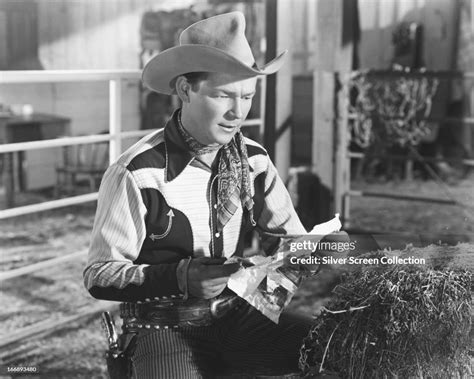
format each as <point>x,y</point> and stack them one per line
<point>182,88</point>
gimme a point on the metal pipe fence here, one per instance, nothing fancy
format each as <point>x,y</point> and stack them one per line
<point>114,137</point>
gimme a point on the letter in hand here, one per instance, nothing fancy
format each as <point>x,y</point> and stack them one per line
<point>207,277</point>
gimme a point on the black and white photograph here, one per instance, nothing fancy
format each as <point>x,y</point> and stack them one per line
<point>236,189</point>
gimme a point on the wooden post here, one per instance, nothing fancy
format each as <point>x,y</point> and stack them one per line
<point>342,139</point>
<point>269,130</point>
<point>333,54</point>
<point>279,86</point>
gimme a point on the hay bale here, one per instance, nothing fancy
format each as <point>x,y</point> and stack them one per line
<point>393,321</point>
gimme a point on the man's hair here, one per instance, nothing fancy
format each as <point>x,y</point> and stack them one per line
<point>194,78</point>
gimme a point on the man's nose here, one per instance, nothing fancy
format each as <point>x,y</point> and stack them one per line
<point>236,109</point>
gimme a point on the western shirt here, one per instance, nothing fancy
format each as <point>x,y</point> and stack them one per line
<point>157,206</point>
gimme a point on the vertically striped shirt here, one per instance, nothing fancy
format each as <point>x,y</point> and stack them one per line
<point>157,206</point>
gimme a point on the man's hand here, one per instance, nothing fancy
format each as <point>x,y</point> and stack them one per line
<point>207,277</point>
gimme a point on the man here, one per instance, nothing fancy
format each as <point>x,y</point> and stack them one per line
<point>178,203</point>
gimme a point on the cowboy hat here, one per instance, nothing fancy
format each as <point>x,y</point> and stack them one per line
<point>216,44</point>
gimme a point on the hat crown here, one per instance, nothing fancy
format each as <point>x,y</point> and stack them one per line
<point>225,32</point>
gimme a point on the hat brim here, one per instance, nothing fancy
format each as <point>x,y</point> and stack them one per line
<point>160,71</point>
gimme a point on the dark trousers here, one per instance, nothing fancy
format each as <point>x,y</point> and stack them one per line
<point>242,342</point>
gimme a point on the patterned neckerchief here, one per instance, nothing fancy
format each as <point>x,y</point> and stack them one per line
<point>233,175</point>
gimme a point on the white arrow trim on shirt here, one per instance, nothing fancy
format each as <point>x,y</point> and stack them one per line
<point>155,237</point>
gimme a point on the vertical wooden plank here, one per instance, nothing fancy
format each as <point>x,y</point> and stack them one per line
<point>300,36</point>
<point>395,11</point>
<point>81,31</point>
<point>465,62</point>
<point>133,21</point>
<point>386,25</point>
<point>263,97</point>
<point>117,27</point>
<point>328,33</point>
<point>111,20</point>
<point>469,133</point>
<point>305,41</point>
<point>101,35</point>
<point>323,115</point>
<point>124,25</point>
<point>284,89</point>
<point>310,16</point>
<point>333,56</point>
<point>369,25</point>
<point>440,31</point>
<point>279,86</point>
<point>328,21</point>
<point>342,163</point>
<point>3,40</point>
<point>94,19</point>
<point>87,27</point>
<point>302,131</point>
<point>77,49</point>
<point>269,135</point>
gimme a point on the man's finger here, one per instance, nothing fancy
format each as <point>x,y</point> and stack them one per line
<point>222,271</point>
<point>209,287</point>
<point>216,281</point>
<point>211,261</point>
<point>215,288</point>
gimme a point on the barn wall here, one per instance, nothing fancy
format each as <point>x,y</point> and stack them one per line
<point>379,18</point>
<point>377,21</point>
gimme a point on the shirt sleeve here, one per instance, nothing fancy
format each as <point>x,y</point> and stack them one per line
<point>117,236</point>
<point>278,214</point>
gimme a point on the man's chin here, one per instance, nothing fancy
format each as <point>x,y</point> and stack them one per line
<point>224,140</point>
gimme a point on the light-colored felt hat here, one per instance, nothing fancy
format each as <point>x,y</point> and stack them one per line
<point>216,44</point>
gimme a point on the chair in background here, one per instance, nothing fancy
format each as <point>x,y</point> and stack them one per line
<point>82,169</point>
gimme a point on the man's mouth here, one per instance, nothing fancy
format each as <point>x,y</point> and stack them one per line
<point>229,126</point>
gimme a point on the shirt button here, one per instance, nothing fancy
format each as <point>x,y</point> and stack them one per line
<point>215,206</point>
<point>217,235</point>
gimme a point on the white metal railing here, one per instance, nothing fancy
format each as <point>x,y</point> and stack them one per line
<point>61,76</point>
<point>114,137</point>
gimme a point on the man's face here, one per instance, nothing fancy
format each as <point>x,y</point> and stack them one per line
<point>217,107</point>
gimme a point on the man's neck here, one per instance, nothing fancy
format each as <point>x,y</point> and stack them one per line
<point>190,126</point>
<point>208,158</point>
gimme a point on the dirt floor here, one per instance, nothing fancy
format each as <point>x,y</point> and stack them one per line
<point>76,351</point>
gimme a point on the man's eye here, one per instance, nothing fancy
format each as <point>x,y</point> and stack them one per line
<point>247,97</point>
<point>223,96</point>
